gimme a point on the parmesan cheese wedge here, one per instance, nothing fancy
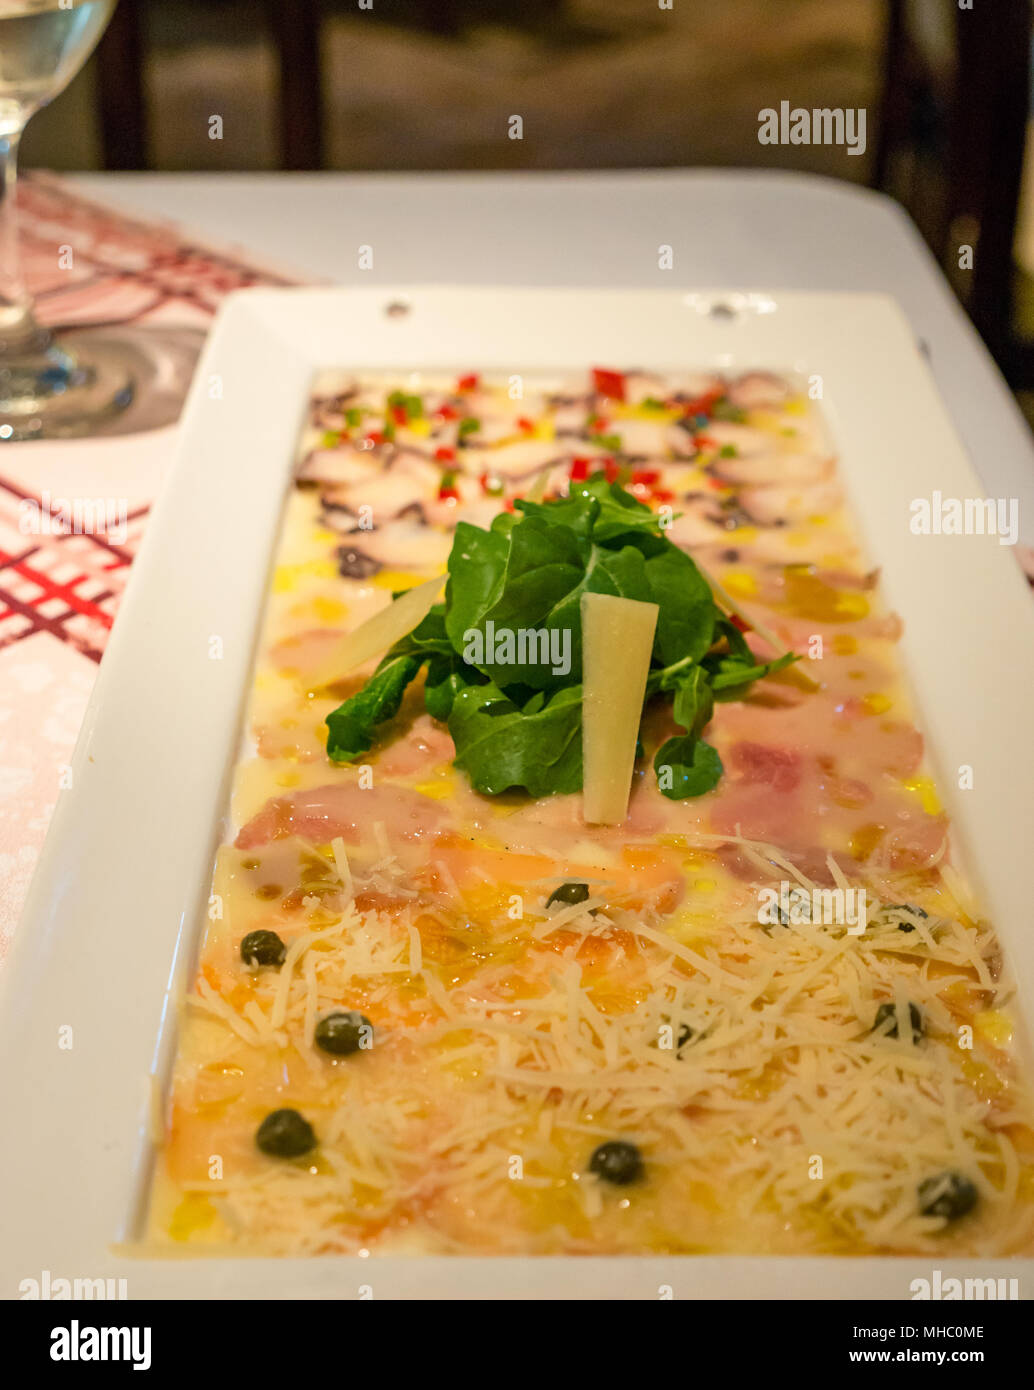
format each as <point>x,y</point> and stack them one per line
<point>381,631</point>
<point>617,641</point>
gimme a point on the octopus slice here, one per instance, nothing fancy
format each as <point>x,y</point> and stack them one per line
<point>347,466</point>
<point>745,439</point>
<point>759,391</point>
<point>404,544</point>
<point>774,467</point>
<point>641,438</point>
<point>778,505</point>
<point>521,459</point>
<point>408,478</point>
<point>691,386</point>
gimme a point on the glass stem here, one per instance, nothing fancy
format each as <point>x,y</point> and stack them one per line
<point>19,331</point>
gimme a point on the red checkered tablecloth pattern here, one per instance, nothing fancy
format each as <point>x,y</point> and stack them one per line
<point>72,514</point>
<point>58,582</point>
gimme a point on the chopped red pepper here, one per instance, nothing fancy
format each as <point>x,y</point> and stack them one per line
<point>377,437</point>
<point>468,383</point>
<point>447,412</point>
<point>662,494</point>
<point>609,384</point>
<point>703,405</point>
<point>444,455</point>
<point>579,469</point>
<point>739,622</point>
<point>528,426</point>
<point>399,415</point>
<point>703,441</point>
<point>649,476</point>
<point>610,470</point>
<point>491,485</point>
<point>448,492</point>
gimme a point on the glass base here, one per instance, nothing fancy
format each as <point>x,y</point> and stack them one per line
<point>65,388</point>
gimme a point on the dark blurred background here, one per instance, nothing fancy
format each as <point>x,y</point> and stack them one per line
<point>429,84</point>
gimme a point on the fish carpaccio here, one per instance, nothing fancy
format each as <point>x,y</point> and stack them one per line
<point>785,1085</point>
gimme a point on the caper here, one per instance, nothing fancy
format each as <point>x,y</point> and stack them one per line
<point>262,948</point>
<point>285,1134</point>
<point>568,894</point>
<point>342,1033</point>
<point>618,1162</point>
<point>889,1011</point>
<point>797,909</point>
<point>903,923</point>
<point>948,1194</point>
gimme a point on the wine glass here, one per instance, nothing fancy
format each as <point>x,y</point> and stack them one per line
<point>50,386</point>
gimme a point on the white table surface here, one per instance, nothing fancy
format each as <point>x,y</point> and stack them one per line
<point>731,230</point>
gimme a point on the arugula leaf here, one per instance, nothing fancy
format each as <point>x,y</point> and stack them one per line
<point>500,746</point>
<point>427,638</point>
<point>688,614</point>
<point>686,767</point>
<point>737,668</point>
<point>548,567</point>
<point>477,563</point>
<point>597,508</point>
<point>446,677</point>
<point>350,728</point>
<point>693,704</point>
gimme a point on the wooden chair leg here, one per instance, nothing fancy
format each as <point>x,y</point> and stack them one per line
<point>894,97</point>
<point>296,32</point>
<point>988,138</point>
<point>120,79</point>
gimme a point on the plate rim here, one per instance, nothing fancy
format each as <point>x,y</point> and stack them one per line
<point>282,318</point>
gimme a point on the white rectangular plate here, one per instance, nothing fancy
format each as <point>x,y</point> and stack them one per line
<point>111,926</point>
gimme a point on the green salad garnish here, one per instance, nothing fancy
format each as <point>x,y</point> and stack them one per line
<point>515,715</point>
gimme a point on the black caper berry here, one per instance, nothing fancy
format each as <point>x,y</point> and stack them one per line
<point>285,1134</point>
<point>948,1194</point>
<point>888,1011</point>
<point>342,1033</point>
<point>262,948</point>
<point>903,923</point>
<point>568,893</point>
<point>618,1162</point>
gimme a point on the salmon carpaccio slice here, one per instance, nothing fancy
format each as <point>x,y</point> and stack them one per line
<point>321,814</point>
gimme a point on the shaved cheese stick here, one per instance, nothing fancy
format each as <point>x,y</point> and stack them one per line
<point>617,641</point>
<point>380,632</point>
